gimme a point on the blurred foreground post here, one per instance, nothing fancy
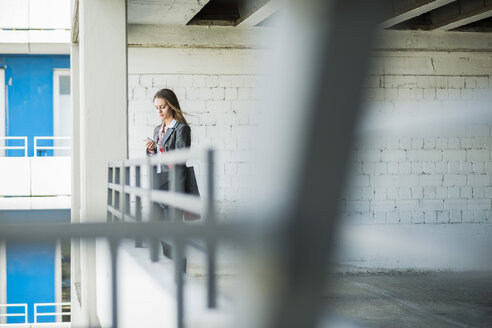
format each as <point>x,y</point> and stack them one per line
<point>319,69</point>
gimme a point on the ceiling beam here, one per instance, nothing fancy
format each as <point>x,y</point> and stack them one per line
<point>163,12</point>
<point>204,37</point>
<point>259,13</point>
<point>461,13</point>
<point>403,10</point>
<point>434,41</point>
<point>75,22</point>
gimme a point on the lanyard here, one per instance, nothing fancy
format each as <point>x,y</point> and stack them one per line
<point>161,135</point>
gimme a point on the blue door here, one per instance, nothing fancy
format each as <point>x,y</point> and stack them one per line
<point>29,84</point>
<point>30,278</point>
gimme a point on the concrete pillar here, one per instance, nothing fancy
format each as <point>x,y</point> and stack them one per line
<point>103,120</point>
<point>75,194</point>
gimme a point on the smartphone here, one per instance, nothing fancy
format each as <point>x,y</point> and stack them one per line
<point>148,139</point>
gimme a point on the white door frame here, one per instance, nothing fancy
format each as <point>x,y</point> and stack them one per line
<point>2,110</point>
<point>57,72</point>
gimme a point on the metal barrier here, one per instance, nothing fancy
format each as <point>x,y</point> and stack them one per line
<point>121,188</point>
<point>56,313</point>
<point>122,224</point>
<point>23,305</point>
<point>15,147</point>
<point>37,147</point>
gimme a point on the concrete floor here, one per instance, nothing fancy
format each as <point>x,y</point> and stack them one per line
<point>410,299</point>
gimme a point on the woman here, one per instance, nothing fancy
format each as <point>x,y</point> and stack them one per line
<point>174,132</point>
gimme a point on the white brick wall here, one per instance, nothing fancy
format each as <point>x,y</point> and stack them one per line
<point>424,175</point>
<point>437,174</point>
<point>219,106</point>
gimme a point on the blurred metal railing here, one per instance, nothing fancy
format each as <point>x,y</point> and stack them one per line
<point>56,313</point>
<point>37,147</point>
<point>20,305</point>
<point>122,224</point>
<point>15,147</point>
<point>121,188</point>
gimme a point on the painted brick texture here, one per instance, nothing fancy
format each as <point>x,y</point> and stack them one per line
<point>222,112</point>
<point>432,173</point>
<point>440,173</point>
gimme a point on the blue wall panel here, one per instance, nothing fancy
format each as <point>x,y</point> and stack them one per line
<point>31,267</point>
<point>30,277</point>
<point>30,95</point>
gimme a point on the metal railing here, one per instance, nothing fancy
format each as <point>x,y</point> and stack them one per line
<point>19,305</point>
<point>56,313</point>
<point>121,187</point>
<point>38,147</point>
<point>15,147</point>
<point>122,224</point>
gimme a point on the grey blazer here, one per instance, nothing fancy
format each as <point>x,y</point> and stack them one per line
<point>178,136</point>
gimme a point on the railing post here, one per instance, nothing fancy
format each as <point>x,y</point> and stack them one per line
<point>173,186</point>
<point>138,202</point>
<point>117,194</point>
<point>113,245</point>
<point>210,221</point>
<point>178,270</point>
<point>154,243</point>
<point>122,198</point>
<point>126,195</point>
<point>109,215</point>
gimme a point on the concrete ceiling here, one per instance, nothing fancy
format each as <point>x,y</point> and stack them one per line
<point>163,12</point>
<point>399,14</point>
<point>441,15</point>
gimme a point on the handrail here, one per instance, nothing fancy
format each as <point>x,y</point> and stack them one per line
<point>121,187</point>
<point>25,147</point>
<point>24,305</point>
<point>36,147</point>
<point>63,304</point>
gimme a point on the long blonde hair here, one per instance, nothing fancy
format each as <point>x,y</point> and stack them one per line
<point>170,97</point>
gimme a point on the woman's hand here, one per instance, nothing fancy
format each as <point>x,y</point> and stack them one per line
<point>150,147</point>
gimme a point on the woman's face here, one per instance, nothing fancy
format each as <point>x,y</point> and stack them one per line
<point>162,109</point>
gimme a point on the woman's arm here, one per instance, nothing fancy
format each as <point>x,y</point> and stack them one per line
<point>151,146</point>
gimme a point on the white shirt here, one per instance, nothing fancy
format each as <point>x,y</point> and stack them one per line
<point>171,125</point>
<point>161,137</point>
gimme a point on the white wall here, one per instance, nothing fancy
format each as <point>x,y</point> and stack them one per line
<point>218,89</point>
<point>423,155</point>
<point>35,176</point>
<point>417,247</point>
<point>35,26</point>
<point>15,174</point>
<point>434,165</point>
<point>37,14</point>
<point>420,190</point>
